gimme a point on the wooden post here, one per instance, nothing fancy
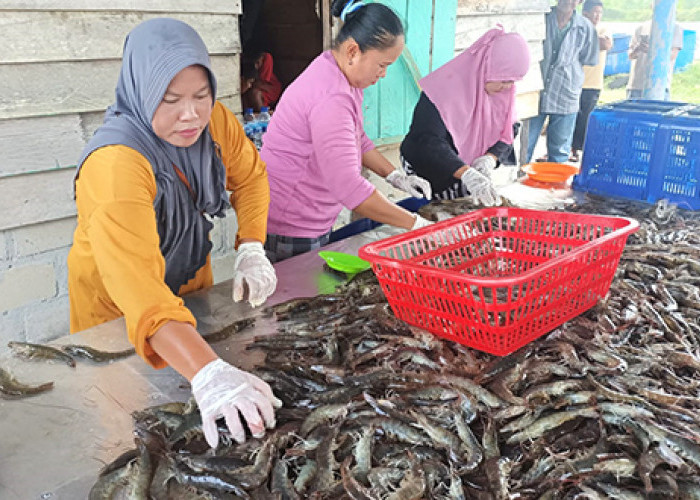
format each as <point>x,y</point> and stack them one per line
<point>659,65</point>
<point>326,23</point>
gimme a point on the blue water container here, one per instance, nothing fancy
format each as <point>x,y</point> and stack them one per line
<point>621,42</point>
<point>617,59</point>
<point>687,53</point>
<point>616,63</point>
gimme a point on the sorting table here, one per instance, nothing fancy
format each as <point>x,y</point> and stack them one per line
<point>52,445</point>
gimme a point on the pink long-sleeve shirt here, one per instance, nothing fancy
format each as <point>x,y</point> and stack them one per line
<point>313,150</point>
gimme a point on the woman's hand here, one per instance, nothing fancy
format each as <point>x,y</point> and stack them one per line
<point>484,164</point>
<point>420,222</point>
<point>381,210</point>
<point>411,184</point>
<point>222,390</point>
<point>253,269</point>
<point>480,187</point>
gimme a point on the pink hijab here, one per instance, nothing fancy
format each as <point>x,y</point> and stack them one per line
<point>475,119</point>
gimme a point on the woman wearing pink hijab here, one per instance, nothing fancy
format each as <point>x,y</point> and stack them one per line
<point>463,123</point>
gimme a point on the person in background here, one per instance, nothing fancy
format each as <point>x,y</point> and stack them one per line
<point>315,145</point>
<point>146,184</point>
<point>463,123</point>
<point>592,79</point>
<point>640,59</point>
<point>266,88</point>
<point>248,76</point>
<point>570,43</point>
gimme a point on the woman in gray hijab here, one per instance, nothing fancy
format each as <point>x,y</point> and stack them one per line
<point>147,183</point>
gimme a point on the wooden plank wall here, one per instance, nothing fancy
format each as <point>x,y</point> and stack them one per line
<point>475,17</point>
<point>388,105</point>
<point>58,71</point>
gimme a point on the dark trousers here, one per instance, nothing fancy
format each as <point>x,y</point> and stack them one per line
<point>589,98</point>
<point>278,247</point>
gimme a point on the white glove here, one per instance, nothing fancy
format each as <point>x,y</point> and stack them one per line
<point>420,222</point>
<point>222,390</point>
<point>253,268</point>
<point>411,184</point>
<point>484,164</point>
<point>480,188</point>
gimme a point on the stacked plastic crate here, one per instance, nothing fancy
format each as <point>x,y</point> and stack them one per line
<point>643,150</point>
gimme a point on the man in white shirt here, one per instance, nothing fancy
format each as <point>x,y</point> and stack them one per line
<point>640,59</point>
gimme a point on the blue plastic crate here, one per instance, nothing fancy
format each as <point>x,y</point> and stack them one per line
<point>643,150</point>
<point>675,172</point>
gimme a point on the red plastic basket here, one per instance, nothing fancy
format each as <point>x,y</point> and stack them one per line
<point>497,278</point>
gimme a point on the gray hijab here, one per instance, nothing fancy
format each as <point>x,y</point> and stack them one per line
<point>154,53</point>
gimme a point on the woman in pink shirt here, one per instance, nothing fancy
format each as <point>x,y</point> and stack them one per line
<point>315,145</point>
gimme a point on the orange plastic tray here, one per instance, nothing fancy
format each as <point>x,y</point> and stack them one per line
<point>550,172</point>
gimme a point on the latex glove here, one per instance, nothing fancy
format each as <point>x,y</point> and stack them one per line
<point>222,390</point>
<point>253,268</point>
<point>484,164</point>
<point>411,184</point>
<point>480,187</point>
<point>420,222</point>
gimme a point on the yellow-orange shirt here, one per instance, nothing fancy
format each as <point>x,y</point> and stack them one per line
<point>115,266</point>
<point>593,76</point>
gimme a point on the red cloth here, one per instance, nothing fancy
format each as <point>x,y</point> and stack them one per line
<point>475,119</point>
<point>267,76</point>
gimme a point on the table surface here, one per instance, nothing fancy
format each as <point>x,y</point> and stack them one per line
<point>52,445</point>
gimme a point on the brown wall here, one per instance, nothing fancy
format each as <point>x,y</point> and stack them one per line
<point>295,37</point>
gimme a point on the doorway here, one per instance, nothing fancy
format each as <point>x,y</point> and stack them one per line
<point>290,30</point>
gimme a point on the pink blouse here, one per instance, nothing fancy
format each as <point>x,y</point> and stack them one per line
<point>313,150</point>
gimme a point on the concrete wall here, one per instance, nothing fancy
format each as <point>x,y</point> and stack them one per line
<point>58,71</point>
